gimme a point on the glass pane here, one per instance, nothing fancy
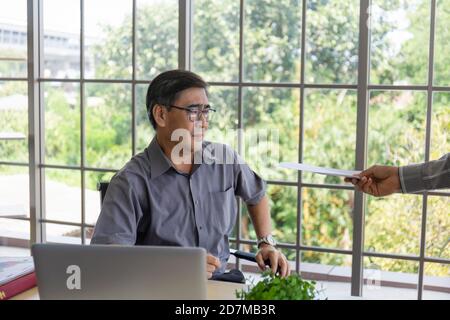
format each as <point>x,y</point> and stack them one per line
<point>436,282</point>
<point>108,125</point>
<point>438,226</point>
<point>332,273</point>
<point>13,121</point>
<point>400,41</point>
<point>108,43</point>
<point>58,233</point>
<point>62,123</point>
<point>271,116</point>
<point>440,125</point>
<point>272,35</point>
<point>14,238</point>
<point>442,44</point>
<point>330,132</point>
<point>216,39</point>
<point>290,254</point>
<point>13,38</point>
<point>283,211</point>
<point>144,129</point>
<point>396,127</point>
<point>61,39</point>
<point>388,279</point>
<point>223,126</point>
<point>14,192</point>
<point>393,224</point>
<point>327,218</point>
<point>156,37</point>
<point>92,195</point>
<point>63,195</point>
<point>332,42</point>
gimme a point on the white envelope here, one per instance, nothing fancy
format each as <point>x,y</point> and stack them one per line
<point>319,170</point>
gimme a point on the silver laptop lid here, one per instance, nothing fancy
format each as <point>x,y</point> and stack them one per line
<point>119,272</point>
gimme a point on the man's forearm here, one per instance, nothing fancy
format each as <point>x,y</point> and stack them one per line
<point>426,176</point>
<point>260,215</point>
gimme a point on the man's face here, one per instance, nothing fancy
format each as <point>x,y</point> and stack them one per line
<point>179,119</point>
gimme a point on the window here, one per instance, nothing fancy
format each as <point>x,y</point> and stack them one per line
<point>286,71</point>
<point>94,115</point>
<point>14,172</point>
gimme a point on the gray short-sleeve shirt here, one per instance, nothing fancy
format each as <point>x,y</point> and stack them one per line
<point>148,202</point>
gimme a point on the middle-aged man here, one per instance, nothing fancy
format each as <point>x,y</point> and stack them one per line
<point>180,191</point>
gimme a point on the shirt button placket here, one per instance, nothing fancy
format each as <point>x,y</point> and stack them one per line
<point>198,220</point>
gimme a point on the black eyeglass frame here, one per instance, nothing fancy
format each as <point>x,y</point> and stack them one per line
<point>189,110</point>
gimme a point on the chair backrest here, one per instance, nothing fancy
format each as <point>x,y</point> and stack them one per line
<point>102,187</point>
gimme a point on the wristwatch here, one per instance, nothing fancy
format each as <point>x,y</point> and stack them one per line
<point>267,239</point>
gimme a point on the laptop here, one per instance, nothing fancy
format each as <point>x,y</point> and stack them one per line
<point>67,271</point>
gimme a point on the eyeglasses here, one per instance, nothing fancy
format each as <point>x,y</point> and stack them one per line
<point>196,111</point>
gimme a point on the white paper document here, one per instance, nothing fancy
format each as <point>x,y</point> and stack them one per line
<point>319,170</point>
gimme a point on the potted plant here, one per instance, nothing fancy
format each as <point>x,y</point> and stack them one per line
<point>273,287</point>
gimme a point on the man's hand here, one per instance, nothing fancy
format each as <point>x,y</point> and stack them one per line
<point>378,181</point>
<point>212,263</point>
<point>276,258</point>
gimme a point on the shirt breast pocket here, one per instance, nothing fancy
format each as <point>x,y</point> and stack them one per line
<point>223,210</point>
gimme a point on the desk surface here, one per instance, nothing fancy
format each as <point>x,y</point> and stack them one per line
<point>217,290</point>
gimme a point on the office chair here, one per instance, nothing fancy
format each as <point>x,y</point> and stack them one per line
<point>102,187</point>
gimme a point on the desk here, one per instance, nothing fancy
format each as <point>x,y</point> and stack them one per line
<point>217,290</point>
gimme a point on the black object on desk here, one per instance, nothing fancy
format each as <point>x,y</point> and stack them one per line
<point>233,275</point>
<point>247,256</point>
<point>236,275</point>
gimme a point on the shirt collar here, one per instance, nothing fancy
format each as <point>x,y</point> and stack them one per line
<point>159,163</point>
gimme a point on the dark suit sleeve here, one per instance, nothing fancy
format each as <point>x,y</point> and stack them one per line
<point>426,176</point>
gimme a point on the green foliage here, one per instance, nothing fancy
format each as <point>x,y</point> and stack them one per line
<point>441,59</point>
<point>272,287</point>
<point>216,63</point>
<point>272,41</point>
<point>14,119</point>
<point>108,126</point>
<point>332,41</point>
<point>62,127</point>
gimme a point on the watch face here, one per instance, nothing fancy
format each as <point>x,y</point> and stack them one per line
<point>269,240</point>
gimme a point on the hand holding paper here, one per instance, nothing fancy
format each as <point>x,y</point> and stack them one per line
<point>320,170</point>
